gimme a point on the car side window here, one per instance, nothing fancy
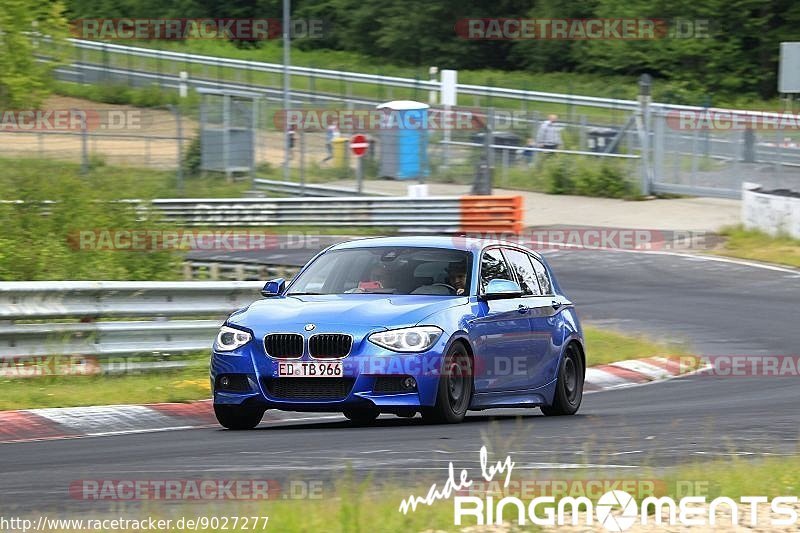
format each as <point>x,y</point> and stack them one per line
<point>493,266</point>
<point>541,275</point>
<point>522,266</point>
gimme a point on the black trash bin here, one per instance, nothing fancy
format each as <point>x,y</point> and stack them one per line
<point>504,138</point>
<point>602,140</point>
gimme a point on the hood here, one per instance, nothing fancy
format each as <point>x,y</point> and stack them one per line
<point>366,310</point>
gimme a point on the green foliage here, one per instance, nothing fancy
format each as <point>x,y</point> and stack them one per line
<point>41,240</point>
<point>736,56</point>
<point>192,157</point>
<point>24,80</point>
<point>586,177</point>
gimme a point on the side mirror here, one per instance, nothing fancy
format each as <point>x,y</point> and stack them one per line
<point>274,287</point>
<point>498,289</point>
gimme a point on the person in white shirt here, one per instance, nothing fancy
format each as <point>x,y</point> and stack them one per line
<point>549,135</point>
<point>331,133</point>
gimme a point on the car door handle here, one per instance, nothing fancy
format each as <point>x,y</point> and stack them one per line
<point>523,309</point>
<point>556,304</point>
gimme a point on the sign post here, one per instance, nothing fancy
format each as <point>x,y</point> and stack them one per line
<point>358,147</point>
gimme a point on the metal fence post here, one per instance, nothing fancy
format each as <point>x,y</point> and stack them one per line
<point>84,145</point>
<point>643,121</point>
<point>179,131</point>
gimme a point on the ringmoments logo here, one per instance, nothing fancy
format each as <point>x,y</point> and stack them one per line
<point>614,510</point>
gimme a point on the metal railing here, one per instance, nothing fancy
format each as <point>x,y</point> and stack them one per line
<point>441,214</point>
<point>111,318</point>
<point>308,189</point>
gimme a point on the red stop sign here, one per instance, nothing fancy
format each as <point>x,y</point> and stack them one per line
<point>359,145</point>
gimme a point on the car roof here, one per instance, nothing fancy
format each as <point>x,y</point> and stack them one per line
<point>453,242</point>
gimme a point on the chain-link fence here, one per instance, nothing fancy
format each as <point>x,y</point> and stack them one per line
<point>604,136</point>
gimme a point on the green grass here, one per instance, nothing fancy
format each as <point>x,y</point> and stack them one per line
<point>750,244</point>
<point>24,178</point>
<point>74,391</point>
<point>192,383</point>
<point>352,507</point>
<point>604,346</point>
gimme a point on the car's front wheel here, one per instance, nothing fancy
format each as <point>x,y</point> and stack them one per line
<point>238,416</point>
<point>569,388</point>
<point>455,388</point>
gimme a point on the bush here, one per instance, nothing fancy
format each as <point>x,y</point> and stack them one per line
<point>192,157</point>
<point>586,177</point>
<point>41,241</point>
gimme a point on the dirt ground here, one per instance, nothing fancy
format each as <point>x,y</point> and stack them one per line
<point>130,136</point>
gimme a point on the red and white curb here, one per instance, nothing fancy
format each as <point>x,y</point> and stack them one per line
<point>103,421</point>
<point>634,372</point>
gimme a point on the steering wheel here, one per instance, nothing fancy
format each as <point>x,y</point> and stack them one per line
<point>449,287</point>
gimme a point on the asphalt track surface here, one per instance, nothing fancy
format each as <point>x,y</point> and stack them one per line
<point>717,307</point>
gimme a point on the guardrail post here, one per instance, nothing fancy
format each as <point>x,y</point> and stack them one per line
<point>179,130</point>
<point>643,123</point>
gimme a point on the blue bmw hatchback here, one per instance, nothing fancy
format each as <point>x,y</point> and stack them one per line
<point>435,325</point>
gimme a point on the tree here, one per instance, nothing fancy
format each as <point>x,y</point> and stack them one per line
<point>28,28</point>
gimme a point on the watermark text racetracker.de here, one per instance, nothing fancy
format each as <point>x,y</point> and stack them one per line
<point>568,29</point>
<point>179,29</point>
<point>46,523</point>
<point>615,510</point>
<point>151,239</point>
<point>591,238</point>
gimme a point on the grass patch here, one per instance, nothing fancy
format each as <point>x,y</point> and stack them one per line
<point>756,245</point>
<point>351,506</point>
<point>182,385</point>
<point>604,346</point>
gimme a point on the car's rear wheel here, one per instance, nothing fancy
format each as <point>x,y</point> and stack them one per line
<point>238,416</point>
<point>569,388</point>
<point>361,416</point>
<point>455,388</point>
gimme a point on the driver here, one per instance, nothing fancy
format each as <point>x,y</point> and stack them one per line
<point>457,277</point>
<point>377,279</point>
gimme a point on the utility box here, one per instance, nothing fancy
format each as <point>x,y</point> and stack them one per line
<point>601,139</point>
<point>227,131</point>
<point>403,140</point>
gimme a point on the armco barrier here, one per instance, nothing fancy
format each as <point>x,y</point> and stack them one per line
<point>81,318</point>
<point>309,189</point>
<point>495,214</point>
<point>433,214</point>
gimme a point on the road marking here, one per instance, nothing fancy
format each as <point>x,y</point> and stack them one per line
<point>743,262</point>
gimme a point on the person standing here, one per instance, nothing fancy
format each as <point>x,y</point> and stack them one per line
<point>549,135</point>
<point>330,134</point>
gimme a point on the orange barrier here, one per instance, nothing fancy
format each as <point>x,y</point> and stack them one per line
<point>491,214</point>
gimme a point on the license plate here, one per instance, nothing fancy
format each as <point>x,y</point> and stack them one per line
<point>310,369</point>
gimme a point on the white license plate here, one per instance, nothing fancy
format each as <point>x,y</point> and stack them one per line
<point>310,369</point>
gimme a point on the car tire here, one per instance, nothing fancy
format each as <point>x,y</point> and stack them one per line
<point>361,416</point>
<point>569,388</point>
<point>238,417</point>
<point>455,388</point>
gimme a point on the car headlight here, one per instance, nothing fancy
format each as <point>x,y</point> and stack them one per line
<point>229,339</point>
<point>416,339</point>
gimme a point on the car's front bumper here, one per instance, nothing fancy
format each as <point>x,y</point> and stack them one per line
<point>362,369</point>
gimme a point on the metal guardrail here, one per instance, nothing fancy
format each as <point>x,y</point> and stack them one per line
<point>431,214</point>
<point>95,318</point>
<point>389,81</point>
<point>232,271</point>
<point>309,189</point>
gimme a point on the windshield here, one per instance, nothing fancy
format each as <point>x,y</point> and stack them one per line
<point>387,270</point>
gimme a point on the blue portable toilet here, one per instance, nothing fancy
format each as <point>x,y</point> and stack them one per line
<point>403,140</point>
